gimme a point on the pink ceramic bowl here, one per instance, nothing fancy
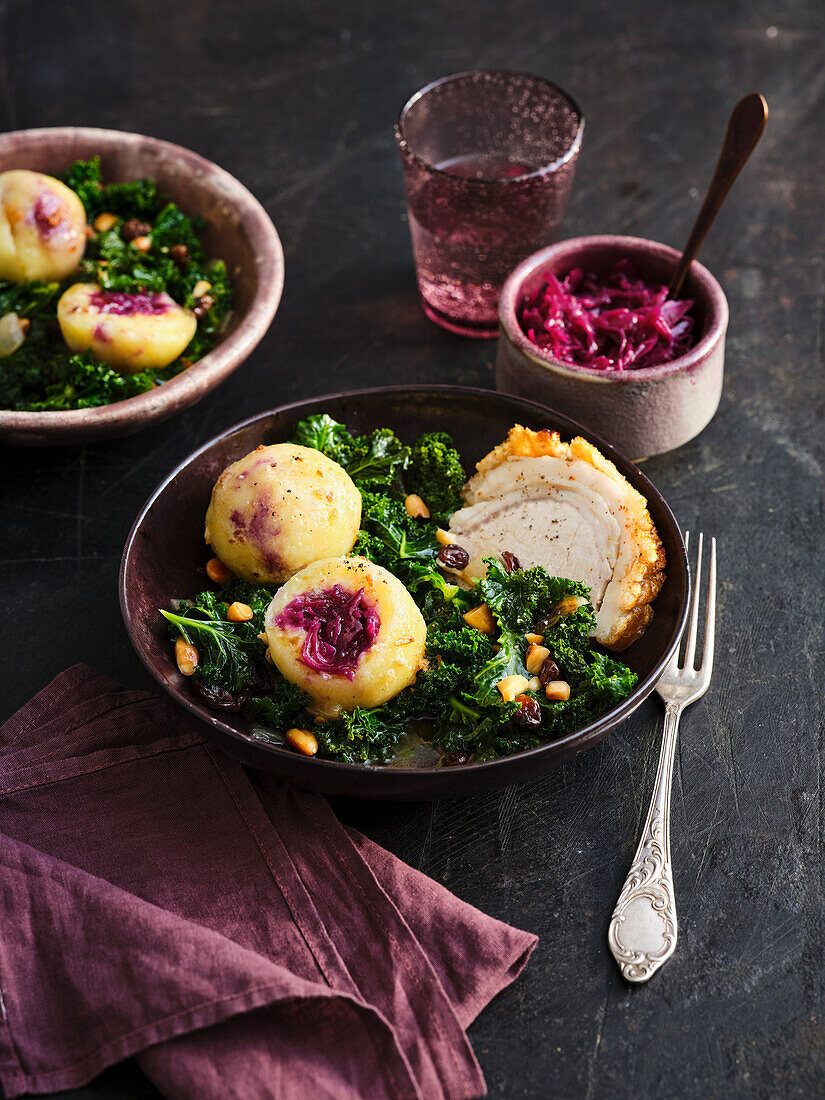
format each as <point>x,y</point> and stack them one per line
<point>237,230</point>
<point>642,412</point>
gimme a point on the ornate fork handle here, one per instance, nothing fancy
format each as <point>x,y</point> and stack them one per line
<point>642,932</point>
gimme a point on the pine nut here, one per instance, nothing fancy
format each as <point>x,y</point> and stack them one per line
<point>142,244</point>
<point>217,571</point>
<point>557,691</point>
<point>416,507</point>
<point>200,288</point>
<point>481,618</point>
<point>444,537</point>
<point>511,686</point>
<point>536,656</point>
<point>534,639</point>
<point>104,221</point>
<point>568,605</point>
<point>534,684</point>
<point>187,657</point>
<point>239,612</point>
<point>302,741</point>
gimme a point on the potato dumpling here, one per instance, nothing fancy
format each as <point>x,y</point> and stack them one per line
<point>280,508</point>
<point>42,227</point>
<point>130,332</point>
<point>346,631</point>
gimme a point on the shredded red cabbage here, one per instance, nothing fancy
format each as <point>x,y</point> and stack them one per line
<point>127,305</point>
<point>339,627</point>
<point>606,323</point>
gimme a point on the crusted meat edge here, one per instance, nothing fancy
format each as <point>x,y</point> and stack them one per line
<point>645,574</point>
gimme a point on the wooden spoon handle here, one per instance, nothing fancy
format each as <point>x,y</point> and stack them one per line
<point>745,128</point>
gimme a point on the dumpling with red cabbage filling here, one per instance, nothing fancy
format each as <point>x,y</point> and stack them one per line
<point>42,227</point>
<point>347,632</point>
<point>130,332</point>
<point>280,508</point>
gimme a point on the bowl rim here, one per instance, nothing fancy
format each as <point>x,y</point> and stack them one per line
<point>553,166</point>
<point>577,741</point>
<point>713,296</point>
<point>229,353</point>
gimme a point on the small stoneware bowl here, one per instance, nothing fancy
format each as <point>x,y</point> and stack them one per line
<point>642,412</point>
<point>237,230</point>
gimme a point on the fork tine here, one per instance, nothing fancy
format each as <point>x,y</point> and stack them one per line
<point>690,647</point>
<point>710,615</point>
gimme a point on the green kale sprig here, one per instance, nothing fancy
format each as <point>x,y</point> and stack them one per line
<point>406,546</point>
<point>27,299</point>
<point>283,706</point>
<point>380,462</point>
<point>374,462</point>
<point>434,472</point>
<point>85,178</point>
<point>230,653</point>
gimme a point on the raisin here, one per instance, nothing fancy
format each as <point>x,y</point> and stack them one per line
<point>549,671</point>
<point>218,698</point>
<point>203,305</point>
<point>134,229</point>
<point>529,713</point>
<point>511,562</point>
<point>454,759</point>
<point>179,255</point>
<point>453,557</point>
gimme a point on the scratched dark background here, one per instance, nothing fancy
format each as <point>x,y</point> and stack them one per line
<point>298,101</point>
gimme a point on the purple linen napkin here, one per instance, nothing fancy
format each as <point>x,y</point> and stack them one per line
<point>158,901</point>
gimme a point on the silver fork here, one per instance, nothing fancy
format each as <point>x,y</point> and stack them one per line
<point>642,931</point>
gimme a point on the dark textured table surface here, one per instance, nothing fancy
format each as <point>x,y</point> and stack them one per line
<point>298,101</point>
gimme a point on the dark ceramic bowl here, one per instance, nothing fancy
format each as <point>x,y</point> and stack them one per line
<point>642,412</point>
<point>165,556</point>
<point>238,230</point>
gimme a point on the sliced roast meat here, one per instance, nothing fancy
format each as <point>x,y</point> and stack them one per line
<point>566,507</point>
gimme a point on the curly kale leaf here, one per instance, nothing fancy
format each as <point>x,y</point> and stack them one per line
<point>377,460</point>
<point>325,435</point>
<point>362,736</point>
<point>35,379</point>
<point>230,653</point>
<point>399,536</point>
<point>282,707</point>
<point>374,462</point>
<point>408,548</point>
<point>483,734</point>
<point>459,643</point>
<point>509,661</point>
<point>85,178</point>
<point>520,600</point>
<point>435,473</point>
<point>27,299</point>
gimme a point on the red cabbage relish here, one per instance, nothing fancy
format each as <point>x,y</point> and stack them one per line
<point>339,627</point>
<point>614,322</point>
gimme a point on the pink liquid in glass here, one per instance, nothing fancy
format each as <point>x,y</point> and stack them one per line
<point>467,241</point>
<point>475,216</point>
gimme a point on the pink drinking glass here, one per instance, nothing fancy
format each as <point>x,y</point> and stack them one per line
<point>489,158</point>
